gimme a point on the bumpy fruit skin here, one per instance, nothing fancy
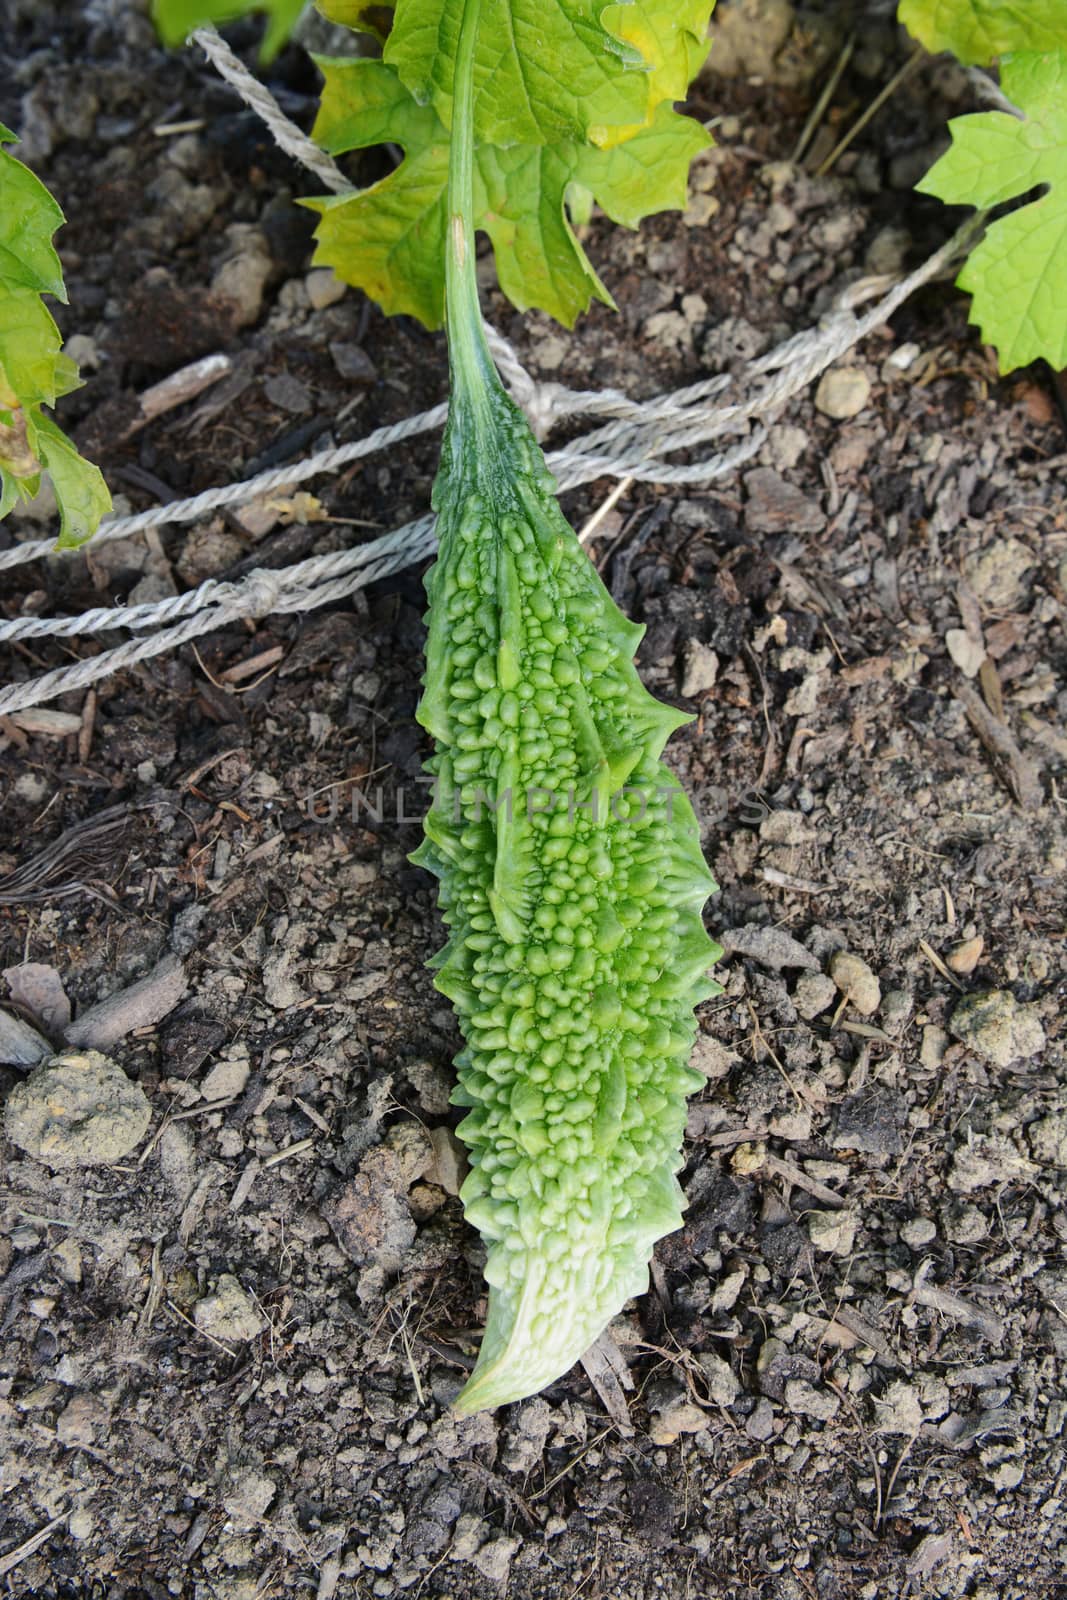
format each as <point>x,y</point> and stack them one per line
<point>572,882</point>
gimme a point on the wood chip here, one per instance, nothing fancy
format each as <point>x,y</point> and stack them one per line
<point>46,724</point>
<point>140,1006</point>
<point>607,1371</point>
<point>1013,768</point>
<point>959,1310</point>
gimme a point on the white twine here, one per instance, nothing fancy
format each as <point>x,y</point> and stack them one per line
<point>631,444</point>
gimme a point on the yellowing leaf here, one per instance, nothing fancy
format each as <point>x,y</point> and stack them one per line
<point>547,70</point>
<point>979,31</point>
<point>389,239</point>
<point>1018,273</point>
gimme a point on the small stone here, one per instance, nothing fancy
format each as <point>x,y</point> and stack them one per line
<point>699,670</point>
<point>760,1425</point>
<point>968,653</point>
<point>794,1125</point>
<point>985,1161</point>
<point>996,573</point>
<point>1008,1475</point>
<point>78,1109</point>
<point>247,1496</point>
<point>917,1232</point>
<point>324,288</point>
<point>814,993</point>
<point>227,1078</point>
<point>229,1314</point>
<point>832,1232</point>
<point>353,363</point>
<point>80,1419</point>
<point>965,1224</point>
<point>899,1410</point>
<point>21,1045</point>
<point>775,506</point>
<point>843,392</point>
<point>803,1397</point>
<point>288,394</point>
<point>965,956</point>
<point>896,1010</point>
<point>856,981</point>
<point>81,1523</point>
<point>1048,1139</point>
<point>933,1047</point>
<point>723,1384</point>
<point>997,1027</point>
<point>242,277</point>
<point>672,1412</point>
<point>493,1559</point>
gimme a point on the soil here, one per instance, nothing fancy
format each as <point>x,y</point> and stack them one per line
<point>227,1358</point>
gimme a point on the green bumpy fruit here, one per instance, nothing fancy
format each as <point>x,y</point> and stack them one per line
<point>572,881</point>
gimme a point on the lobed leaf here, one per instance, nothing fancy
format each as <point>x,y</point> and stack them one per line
<point>33,369</point>
<point>388,239</point>
<point>980,31</point>
<point>1016,274</point>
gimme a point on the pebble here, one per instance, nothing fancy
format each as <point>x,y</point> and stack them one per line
<point>248,1495</point>
<point>722,1381</point>
<point>324,288</point>
<point>896,1010</point>
<point>967,652</point>
<point>996,573</point>
<point>20,1045</point>
<point>803,1397</point>
<point>843,392</point>
<point>700,668</point>
<point>997,1027</point>
<point>242,277</point>
<point>494,1558</point>
<point>227,1078</point>
<point>1048,1139</point>
<point>832,1232</point>
<point>856,980</point>
<point>229,1313</point>
<point>933,1047</point>
<point>352,362</point>
<point>917,1232</point>
<point>900,1409</point>
<point>288,394</point>
<point>814,993</point>
<point>78,1109</point>
<point>965,1224</point>
<point>760,1425</point>
<point>965,956</point>
<point>775,506</point>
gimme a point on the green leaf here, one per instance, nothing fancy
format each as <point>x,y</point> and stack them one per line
<point>1017,274</point>
<point>29,348</point>
<point>29,217</point>
<point>547,70</point>
<point>33,369</point>
<point>175,20</point>
<point>979,31</point>
<point>389,239</point>
<point>81,493</point>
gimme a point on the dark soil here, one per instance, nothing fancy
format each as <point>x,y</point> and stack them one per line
<point>846,1381</point>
